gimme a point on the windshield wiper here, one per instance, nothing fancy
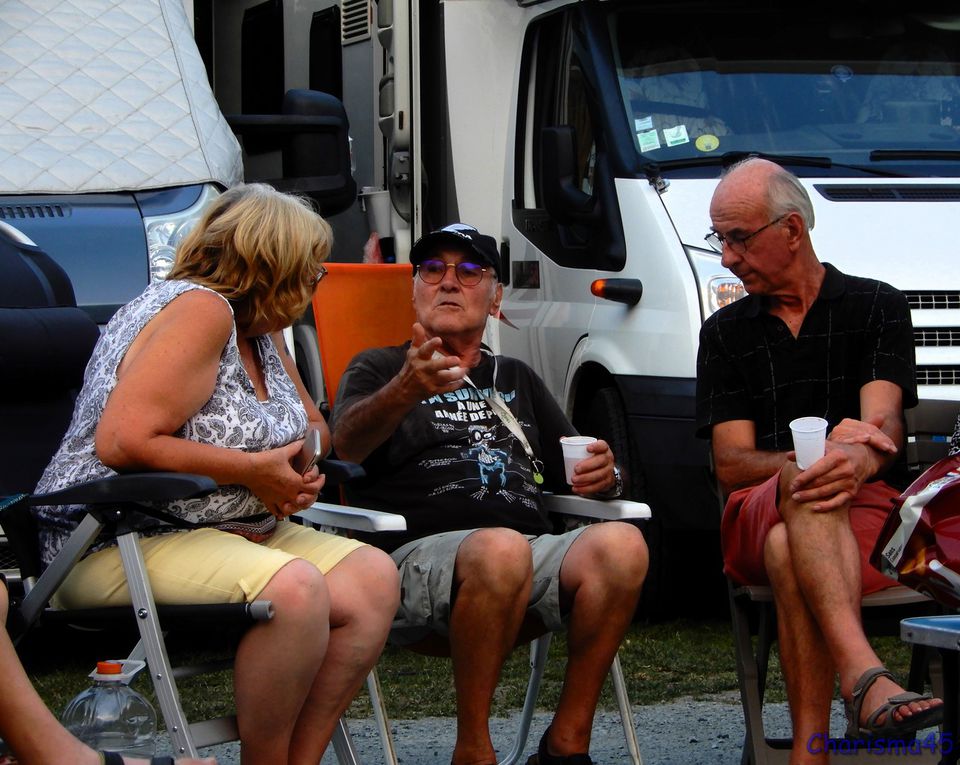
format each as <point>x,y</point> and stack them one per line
<point>931,155</point>
<point>732,157</point>
<point>653,169</point>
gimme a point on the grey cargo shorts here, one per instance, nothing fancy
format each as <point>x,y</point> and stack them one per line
<point>426,582</point>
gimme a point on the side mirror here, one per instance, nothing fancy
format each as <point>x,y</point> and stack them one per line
<point>316,147</point>
<point>316,160</point>
<point>562,197</point>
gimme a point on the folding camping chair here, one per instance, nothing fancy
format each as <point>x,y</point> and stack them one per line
<point>362,306</point>
<point>752,612</point>
<point>930,425</point>
<point>47,341</point>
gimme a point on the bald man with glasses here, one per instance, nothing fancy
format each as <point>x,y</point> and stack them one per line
<point>807,340</point>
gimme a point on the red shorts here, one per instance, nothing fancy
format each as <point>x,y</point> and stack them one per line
<point>751,513</point>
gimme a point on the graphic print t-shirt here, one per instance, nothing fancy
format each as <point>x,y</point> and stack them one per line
<point>452,463</point>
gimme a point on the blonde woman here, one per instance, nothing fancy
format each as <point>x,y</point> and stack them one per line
<point>193,376</point>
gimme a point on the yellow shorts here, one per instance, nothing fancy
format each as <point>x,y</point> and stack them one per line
<point>201,566</point>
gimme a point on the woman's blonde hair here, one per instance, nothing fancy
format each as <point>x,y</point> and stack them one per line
<point>259,248</point>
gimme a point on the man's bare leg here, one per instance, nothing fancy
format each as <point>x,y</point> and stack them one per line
<point>807,666</point>
<point>492,582</point>
<point>826,564</point>
<point>600,582</point>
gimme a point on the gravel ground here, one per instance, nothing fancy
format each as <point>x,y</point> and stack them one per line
<point>683,732</point>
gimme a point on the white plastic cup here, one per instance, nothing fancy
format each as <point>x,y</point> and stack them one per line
<point>809,439</point>
<point>376,204</point>
<point>574,451</point>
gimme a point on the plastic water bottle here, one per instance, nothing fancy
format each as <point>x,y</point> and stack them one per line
<point>110,715</point>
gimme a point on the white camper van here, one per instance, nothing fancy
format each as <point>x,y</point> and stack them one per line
<point>112,143</point>
<point>588,136</point>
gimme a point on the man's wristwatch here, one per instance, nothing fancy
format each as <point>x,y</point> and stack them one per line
<point>617,488</point>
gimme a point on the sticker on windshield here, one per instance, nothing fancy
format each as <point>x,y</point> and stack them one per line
<point>643,123</point>
<point>841,71</point>
<point>674,136</point>
<point>649,140</point>
<point>707,142</point>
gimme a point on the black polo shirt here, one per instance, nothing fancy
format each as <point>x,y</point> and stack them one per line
<point>750,367</point>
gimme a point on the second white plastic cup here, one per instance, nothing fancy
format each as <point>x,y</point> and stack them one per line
<point>574,450</point>
<point>809,439</point>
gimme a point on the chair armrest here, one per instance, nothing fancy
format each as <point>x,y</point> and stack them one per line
<point>601,509</point>
<point>130,487</point>
<point>354,518</point>
<point>338,471</point>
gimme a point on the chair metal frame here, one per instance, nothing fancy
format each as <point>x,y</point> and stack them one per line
<point>565,505</point>
<point>186,737</point>
<point>749,602</point>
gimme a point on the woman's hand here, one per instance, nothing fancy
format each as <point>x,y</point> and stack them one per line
<point>281,488</point>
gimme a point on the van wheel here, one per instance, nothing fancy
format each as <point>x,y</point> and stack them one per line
<point>602,415</point>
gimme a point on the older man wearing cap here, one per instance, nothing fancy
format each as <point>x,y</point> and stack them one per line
<point>461,442</point>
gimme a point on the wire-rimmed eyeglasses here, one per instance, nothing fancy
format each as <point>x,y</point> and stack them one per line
<point>735,242</point>
<point>468,274</point>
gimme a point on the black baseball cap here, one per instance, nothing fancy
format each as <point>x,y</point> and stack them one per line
<point>458,236</point>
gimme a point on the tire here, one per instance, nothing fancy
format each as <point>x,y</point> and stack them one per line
<point>602,414</point>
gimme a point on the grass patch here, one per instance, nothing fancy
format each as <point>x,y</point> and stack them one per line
<point>661,663</point>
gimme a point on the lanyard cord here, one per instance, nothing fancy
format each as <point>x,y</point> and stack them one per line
<point>499,408</point>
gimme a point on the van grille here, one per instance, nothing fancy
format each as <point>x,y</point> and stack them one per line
<point>22,212</point>
<point>937,337</point>
<point>939,375</point>
<point>925,301</point>
<point>891,193</point>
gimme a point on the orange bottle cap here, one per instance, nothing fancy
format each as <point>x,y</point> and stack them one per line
<point>109,667</point>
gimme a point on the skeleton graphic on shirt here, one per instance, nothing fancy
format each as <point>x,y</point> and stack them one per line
<point>491,461</point>
<point>488,457</point>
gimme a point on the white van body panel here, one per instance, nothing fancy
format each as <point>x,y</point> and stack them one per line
<point>107,98</point>
<point>854,237</point>
<point>482,59</point>
<point>657,337</point>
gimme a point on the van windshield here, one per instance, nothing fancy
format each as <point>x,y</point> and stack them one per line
<point>870,89</point>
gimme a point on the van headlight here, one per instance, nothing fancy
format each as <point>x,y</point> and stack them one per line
<point>717,286</point>
<point>165,232</point>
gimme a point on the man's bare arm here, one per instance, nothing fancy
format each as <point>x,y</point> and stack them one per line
<point>737,460</point>
<point>370,421</point>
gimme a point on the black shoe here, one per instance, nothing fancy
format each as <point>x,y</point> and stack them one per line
<point>543,757</point>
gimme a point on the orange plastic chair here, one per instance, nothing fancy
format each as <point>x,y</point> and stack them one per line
<point>357,306</point>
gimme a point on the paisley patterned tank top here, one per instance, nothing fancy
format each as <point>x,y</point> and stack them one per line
<point>233,418</point>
